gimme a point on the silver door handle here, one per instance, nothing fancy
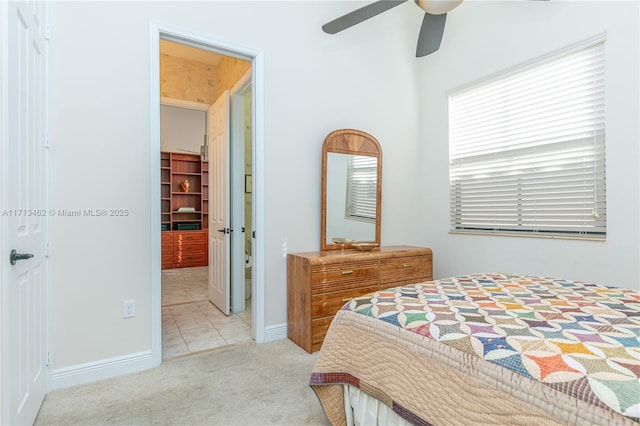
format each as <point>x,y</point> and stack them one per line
<point>14,256</point>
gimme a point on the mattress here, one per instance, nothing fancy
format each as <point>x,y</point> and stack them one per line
<point>488,348</point>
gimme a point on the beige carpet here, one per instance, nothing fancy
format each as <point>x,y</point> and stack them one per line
<point>247,384</point>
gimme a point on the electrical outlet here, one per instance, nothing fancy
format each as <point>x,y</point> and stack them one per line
<point>128,309</point>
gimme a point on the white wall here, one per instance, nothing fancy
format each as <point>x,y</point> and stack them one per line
<point>315,83</point>
<point>182,129</point>
<point>482,38</point>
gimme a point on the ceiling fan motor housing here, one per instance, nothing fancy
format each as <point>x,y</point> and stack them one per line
<point>437,7</point>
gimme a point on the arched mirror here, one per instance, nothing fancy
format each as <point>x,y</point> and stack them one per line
<point>351,189</point>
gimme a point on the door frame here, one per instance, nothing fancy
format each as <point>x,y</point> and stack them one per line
<point>164,31</point>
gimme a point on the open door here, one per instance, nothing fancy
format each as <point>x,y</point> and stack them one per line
<point>219,227</point>
<point>24,214</point>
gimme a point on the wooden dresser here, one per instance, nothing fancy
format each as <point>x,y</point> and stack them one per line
<point>320,283</point>
<point>184,249</point>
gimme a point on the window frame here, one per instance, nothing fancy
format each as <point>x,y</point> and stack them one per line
<point>597,231</point>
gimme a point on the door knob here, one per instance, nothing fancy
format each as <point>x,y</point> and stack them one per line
<point>14,256</point>
<point>225,230</point>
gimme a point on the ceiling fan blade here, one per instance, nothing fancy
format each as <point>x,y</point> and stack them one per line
<point>359,15</point>
<point>430,34</point>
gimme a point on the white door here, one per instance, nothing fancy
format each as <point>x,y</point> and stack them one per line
<point>24,214</point>
<point>219,228</point>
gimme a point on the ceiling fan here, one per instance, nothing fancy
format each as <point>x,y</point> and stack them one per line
<point>435,15</point>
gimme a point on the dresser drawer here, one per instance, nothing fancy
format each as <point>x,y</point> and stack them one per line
<point>167,249</point>
<point>189,247</point>
<point>189,237</point>
<point>190,256</point>
<point>166,239</point>
<point>410,268</point>
<point>343,276</point>
<point>329,303</point>
<point>167,260</point>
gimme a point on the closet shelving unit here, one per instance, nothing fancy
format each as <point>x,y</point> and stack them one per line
<point>184,233</point>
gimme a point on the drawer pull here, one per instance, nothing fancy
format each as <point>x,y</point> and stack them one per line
<point>347,272</point>
<point>407,265</point>
<point>346,299</point>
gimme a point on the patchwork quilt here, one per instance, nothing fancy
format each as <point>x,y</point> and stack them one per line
<point>573,345</point>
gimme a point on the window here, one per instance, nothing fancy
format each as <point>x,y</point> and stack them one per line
<point>362,174</point>
<point>527,149</point>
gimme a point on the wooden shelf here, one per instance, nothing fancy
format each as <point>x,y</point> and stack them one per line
<point>183,248</point>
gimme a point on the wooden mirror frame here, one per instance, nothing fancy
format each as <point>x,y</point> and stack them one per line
<point>355,142</point>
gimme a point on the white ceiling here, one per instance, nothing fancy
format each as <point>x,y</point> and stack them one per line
<point>190,53</point>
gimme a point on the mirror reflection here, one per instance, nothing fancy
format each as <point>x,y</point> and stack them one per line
<point>351,198</point>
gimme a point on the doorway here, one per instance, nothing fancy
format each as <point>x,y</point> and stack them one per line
<point>250,254</point>
<point>190,323</point>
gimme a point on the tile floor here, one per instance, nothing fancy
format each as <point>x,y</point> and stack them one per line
<point>190,323</point>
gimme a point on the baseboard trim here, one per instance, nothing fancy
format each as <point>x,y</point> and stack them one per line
<point>126,364</point>
<point>99,370</point>
<point>275,332</point>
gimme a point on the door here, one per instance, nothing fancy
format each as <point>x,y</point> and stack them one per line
<point>219,228</point>
<point>24,214</point>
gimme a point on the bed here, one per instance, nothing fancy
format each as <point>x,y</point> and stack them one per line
<point>489,348</point>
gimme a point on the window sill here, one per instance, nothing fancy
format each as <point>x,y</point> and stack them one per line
<point>530,235</point>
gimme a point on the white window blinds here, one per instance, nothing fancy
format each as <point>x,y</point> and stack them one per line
<point>527,149</point>
<point>362,174</point>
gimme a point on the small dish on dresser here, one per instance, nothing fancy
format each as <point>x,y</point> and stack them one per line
<point>337,240</point>
<point>364,245</point>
